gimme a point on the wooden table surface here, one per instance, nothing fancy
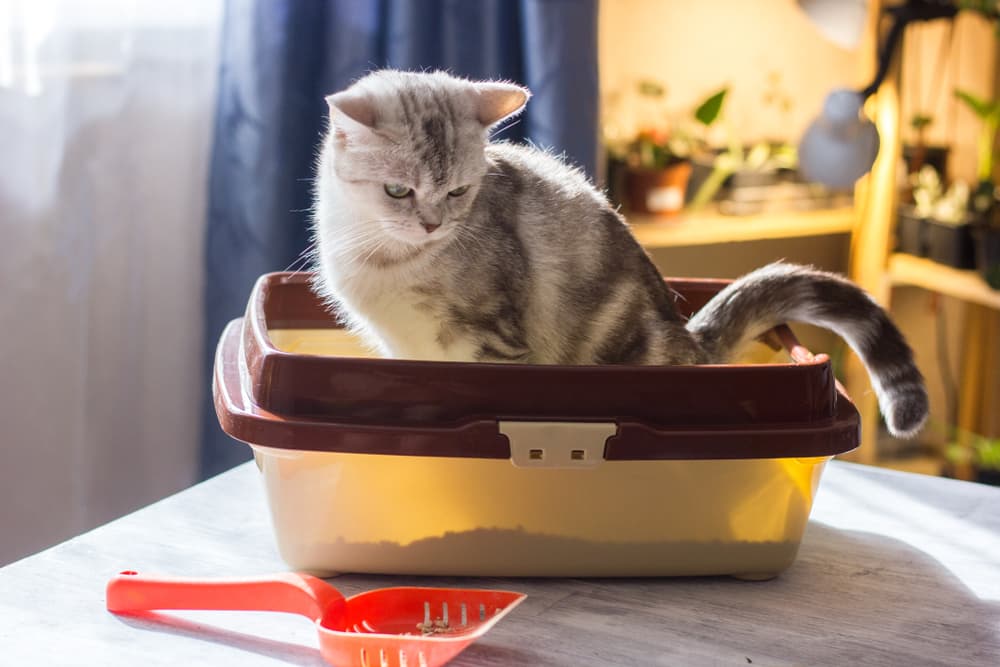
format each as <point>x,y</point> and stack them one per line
<point>895,569</point>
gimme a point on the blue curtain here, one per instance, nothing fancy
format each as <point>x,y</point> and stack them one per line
<point>281,57</point>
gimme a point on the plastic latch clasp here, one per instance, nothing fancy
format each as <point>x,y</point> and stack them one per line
<point>557,444</point>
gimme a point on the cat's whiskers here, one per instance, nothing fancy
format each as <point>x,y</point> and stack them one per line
<point>383,241</point>
<point>350,245</point>
<point>359,264</point>
<point>467,234</point>
<point>303,259</point>
<point>371,253</point>
<point>464,244</point>
<point>458,240</point>
<point>300,265</point>
<point>350,253</point>
<point>358,240</point>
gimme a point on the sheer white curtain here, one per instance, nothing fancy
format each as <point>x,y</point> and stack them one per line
<point>105,131</point>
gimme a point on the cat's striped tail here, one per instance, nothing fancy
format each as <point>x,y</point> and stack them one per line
<point>780,293</point>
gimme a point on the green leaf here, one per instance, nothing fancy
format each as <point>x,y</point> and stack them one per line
<point>988,8</point>
<point>979,106</point>
<point>988,453</point>
<point>757,156</point>
<point>921,120</point>
<point>959,454</point>
<point>709,110</point>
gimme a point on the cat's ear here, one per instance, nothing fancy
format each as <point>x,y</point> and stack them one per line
<point>351,113</point>
<point>496,101</point>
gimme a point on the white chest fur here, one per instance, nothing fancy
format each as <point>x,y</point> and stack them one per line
<point>398,322</point>
<point>405,328</point>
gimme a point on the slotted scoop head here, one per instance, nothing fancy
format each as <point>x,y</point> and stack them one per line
<point>388,627</point>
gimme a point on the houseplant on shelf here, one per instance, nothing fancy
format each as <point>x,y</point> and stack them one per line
<point>987,240</point>
<point>919,153</point>
<point>754,166</point>
<point>650,165</point>
<point>983,204</point>
<point>938,224</point>
<point>979,453</point>
<point>924,97</point>
<point>740,165</point>
<point>911,226</point>
<point>988,113</point>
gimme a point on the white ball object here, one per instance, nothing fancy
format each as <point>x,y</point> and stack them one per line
<point>840,146</point>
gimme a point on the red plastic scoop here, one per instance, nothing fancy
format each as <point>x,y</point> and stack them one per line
<point>389,627</point>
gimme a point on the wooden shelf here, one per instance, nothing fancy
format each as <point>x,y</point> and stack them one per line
<point>708,227</point>
<point>920,272</point>
<point>924,465</point>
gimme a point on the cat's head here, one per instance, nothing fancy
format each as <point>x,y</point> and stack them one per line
<point>408,149</point>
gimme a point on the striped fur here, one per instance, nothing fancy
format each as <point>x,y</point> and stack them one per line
<point>780,293</point>
<point>531,264</point>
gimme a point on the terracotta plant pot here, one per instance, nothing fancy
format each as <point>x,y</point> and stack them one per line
<point>657,191</point>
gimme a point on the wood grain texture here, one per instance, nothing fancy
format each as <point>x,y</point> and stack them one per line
<point>926,273</point>
<point>895,569</point>
<point>706,227</point>
<point>877,200</point>
<point>977,391</point>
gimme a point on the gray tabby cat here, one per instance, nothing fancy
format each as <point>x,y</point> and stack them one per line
<point>433,243</point>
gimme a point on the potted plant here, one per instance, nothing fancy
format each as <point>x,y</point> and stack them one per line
<point>988,113</point>
<point>981,454</point>
<point>937,225</point>
<point>987,239</point>
<point>649,170</point>
<point>657,170</point>
<point>739,165</point>
<point>983,204</point>
<point>919,153</point>
<point>911,231</point>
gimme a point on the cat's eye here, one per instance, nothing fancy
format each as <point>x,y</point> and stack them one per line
<point>397,191</point>
<point>458,192</point>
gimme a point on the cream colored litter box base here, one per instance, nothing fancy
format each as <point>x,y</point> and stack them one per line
<point>448,516</point>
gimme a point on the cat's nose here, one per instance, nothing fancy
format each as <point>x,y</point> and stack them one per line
<point>429,227</point>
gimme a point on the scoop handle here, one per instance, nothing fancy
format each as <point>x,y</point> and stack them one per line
<point>289,592</point>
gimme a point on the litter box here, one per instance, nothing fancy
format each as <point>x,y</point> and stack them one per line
<point>442,468</point>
